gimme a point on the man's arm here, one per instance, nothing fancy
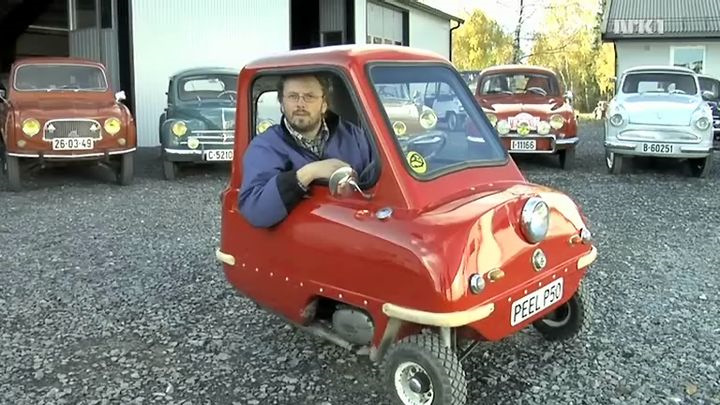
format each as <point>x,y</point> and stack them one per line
<point>269,191</point>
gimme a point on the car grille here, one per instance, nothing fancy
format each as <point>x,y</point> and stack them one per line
<point>72,129</point>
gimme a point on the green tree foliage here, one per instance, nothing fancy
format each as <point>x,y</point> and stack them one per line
<point>480,43</point>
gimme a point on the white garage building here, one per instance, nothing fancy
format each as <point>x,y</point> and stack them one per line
<point>143,42</point>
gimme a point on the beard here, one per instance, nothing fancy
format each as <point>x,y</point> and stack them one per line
<point>303,121</point>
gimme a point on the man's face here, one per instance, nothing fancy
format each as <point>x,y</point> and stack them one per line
<point>303,102</point>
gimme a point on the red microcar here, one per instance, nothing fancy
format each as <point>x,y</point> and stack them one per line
<point>437,248</point>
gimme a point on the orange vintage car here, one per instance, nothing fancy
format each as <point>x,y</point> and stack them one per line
<point>415,251</point>
<point>530,110</point>
<point>58,110</point>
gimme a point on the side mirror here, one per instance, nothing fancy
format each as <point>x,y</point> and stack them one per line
<point>120,95</point>
<point>343,182</point>
<point>706,95</point>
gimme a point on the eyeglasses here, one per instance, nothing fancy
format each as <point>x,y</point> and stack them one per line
<point>307,98</point>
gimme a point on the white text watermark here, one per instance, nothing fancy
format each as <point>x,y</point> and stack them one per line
<point>639,26</point>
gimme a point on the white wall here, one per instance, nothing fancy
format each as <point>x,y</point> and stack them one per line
<point>360,21</point>
<point>639,53</point>
<point>429,32</point>
<point>169,35</point>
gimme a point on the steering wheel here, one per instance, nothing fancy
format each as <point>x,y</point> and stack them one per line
<point>434,141</point>
<point>230,92</point>
<point>538,90</point>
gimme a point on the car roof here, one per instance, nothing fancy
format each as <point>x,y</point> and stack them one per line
<point>517,68</point>
<point>344,56</point>
<point>668,68</point>
<point>57,59</point>
<point>206,69</point>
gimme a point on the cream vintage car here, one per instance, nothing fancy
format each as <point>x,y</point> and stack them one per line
<point>659,111</point>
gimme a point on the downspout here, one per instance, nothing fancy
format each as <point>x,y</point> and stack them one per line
<point>451,41</point>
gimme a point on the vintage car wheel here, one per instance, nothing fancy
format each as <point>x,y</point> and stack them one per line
<point>700,167</point>
<point>420,370</point>
<point>126,169</point>
<point>170,169</point>
<point>568,319</point>
<point>614,162</point>
<point>567,158</point>
<point>11,170</point>
<point>452,121</point>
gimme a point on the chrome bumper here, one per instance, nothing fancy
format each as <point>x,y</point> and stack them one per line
<point>71,156</point>
<point>633,148</point>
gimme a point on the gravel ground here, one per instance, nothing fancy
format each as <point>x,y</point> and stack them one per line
<point>112,295</point>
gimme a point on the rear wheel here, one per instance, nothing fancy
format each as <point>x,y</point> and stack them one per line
<point>569,319</point>
<point>452,121</point>
<point>420,370</point>
<point>701,167</point>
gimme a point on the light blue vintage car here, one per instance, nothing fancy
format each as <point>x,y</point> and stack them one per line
<point>198,124</point>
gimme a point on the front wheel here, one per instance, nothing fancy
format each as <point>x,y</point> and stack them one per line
<point>567,158</point>
<point>11,169</point>
<point>420,370</point>
<point>614,162</point>
<point>700,167</point>
<point>567,320</point>
<point>126,170</point>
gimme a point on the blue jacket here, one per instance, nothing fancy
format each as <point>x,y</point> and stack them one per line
<point>270,190</point>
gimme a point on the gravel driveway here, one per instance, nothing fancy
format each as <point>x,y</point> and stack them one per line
<point>112,295</point>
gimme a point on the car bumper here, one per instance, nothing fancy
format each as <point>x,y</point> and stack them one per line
<point>680,150</point>
<point>534,143</point>
<point>72,155</point>
<point>492,320</point>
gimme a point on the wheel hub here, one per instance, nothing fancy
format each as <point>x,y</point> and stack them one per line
<point>413,384</point>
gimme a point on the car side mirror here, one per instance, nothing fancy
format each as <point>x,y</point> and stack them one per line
<point>343,182</point>
<point>120,95</point>
<point>706,95</point>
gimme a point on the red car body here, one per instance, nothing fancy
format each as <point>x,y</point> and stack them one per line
<point>408,271</point>
<point>531,107</point>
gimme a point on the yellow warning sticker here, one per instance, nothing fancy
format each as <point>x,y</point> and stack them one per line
<point>417,162</point>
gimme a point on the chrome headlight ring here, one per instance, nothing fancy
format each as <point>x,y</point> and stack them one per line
<point>535,219</point>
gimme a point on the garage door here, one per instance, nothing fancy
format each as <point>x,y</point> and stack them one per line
<point>384,25</point>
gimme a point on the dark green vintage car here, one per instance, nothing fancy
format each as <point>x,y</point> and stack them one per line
<point>198,124</point>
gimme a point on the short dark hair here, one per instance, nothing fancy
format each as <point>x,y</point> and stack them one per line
<point>324,83</point>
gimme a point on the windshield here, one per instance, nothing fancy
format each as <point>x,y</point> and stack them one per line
<point>711,85</point>
<point>520,83</point>
<point>668,83</point>
<point>50,77</point>
<point>444,130</point>
<point>218,87</point>
<point>393,92</point>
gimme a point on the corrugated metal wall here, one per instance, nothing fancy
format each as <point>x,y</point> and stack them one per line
<point>360,21</point>
<point>169,35</point>
<point>332,16</point>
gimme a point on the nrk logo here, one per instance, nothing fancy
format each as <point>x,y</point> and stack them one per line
<point>640,26</point>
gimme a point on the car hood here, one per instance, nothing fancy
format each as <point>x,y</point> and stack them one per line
<point>212,117</point>
<point>658,109</point>
<point>64,103</point>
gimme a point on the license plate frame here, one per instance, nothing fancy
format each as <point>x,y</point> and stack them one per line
<point>73,143</point>
<point>518,145</point>
<point>219,155</point>
<point>544,297</point>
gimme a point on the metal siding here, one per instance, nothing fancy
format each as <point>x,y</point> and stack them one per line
<point>430,32</point>
<point>169,35</point>
<point>85,43</point>
<point>332,16</point>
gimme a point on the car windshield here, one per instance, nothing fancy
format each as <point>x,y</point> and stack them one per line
<point>393,92</point>
<point>658,82</point>
<point>443,130</point>
<point>711,85</point>
<point>206,87</point>
<point>57,77</point>
<point>519,83</point>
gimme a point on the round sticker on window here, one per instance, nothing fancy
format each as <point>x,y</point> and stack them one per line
<point>417,162</point>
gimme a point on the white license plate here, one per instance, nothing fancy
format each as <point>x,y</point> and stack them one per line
<point>223,154</point>
<point>661,148</point>
<point>536,301</point>
<point>72,143</point>
<point>522,144</point>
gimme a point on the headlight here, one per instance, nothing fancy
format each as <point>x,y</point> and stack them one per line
<point>428,119</point>
<point>263,125</point>
<point>112,125</point>
<point>543,128</point>
<point>535,219</point>
<point>179,128</point>
<point>399,127</point>
<point>492,118</point>
<point>703,123</point>
<point>31,127</point>
<point>503,127</point>
<point>193,143</point>
<point>477,283</point>
<point>557,121</point>
<point>616,120</point>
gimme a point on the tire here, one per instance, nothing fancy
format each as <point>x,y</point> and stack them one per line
<point>567,158</point>
<point>452,121</point>
<point>569,319</point>
<point>11,167</point>
<point>170,169</point>
<point>701,167</point>
<point>126,170</point>
<point>615,163</point>
<point>436,369</point>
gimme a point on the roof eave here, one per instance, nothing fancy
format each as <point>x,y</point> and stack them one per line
<point>430,10</point>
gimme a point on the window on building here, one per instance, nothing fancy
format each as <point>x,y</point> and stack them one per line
<point>85,14</point>
<point>691,57</point>
<point>106,14</point>
<point>385,25</point>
